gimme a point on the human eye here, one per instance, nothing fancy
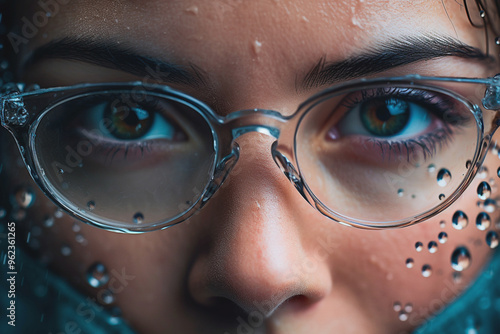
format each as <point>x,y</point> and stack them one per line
<point>399,121</point>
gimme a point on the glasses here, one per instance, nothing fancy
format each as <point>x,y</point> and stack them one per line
<point>135,157</point>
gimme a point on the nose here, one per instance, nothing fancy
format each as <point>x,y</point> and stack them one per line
<point>256,240</point>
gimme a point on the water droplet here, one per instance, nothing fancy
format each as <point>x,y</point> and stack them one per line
<point>396,306</point>
<point>498,172</point>
<point>401,192</point>
<point>256,47</point>
<point>457,277</point>
<point>61,171</point>
<point>442,237</point>
<point>468,164</point>
<point>25,197</point>
<point>443,177</point>
<point>76,227</point>
<point>459,220</point>
<point>3,213</point>
<point>115,317</point>
<point>409,307</point>
<point>483,190</point>
<point>91,205</point>
<point>431,168</point>
<point>105,297</point>
<point>482,173</point>
<point>497,41</point>
<point>432,247</point>
<point>409,263</point>
<point>492,239</point>
<point>97,275</point>
<point>192,10</point>
<point>403,316</point>
<point>138,218</point>
<point>58,213</point>
<point>426,270</point>
<point>442,224</point>
<point>482,13</point>
<point>48,221</point>
<point>80,238</point>
<point>460,259</point>
<point>483,221</point>
<point>441,197</point>
<point>490,205</point>
<point>419,246</point>
<point>65,250</point>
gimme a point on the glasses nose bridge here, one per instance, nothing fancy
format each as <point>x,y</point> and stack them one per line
<point>264,121</point>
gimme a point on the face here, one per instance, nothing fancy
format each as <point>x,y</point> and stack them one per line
<point>258,257</point>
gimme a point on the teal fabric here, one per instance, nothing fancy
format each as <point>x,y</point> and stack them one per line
<point>47,304</point>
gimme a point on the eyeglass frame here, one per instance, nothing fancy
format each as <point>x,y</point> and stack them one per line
<point>22,124</point>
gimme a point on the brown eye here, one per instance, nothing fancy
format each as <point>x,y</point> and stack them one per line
<point>385,117</point>
<point>129,123</point>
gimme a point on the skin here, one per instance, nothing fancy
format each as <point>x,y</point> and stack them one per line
<point>257,242</point>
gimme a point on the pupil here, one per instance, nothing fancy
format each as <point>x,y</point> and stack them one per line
<point>385,117</point>
<point>129,122</point>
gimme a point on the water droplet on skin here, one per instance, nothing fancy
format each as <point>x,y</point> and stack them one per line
<point>105,297</point>
<point>426,270</point>
<point>192,10</point>
<point>497,41</point>
<point>492,239</point>
<point>48,221</point>
<point>482,13</point>
<point>460,259</point>
<point>91,205</point>
<point>138,218</point>
<point>498,172</point>
<point>457,277</point>
<point>483,190</point>
<point>80,238</point>
<point>489,205</point>
<point>443,177</point>
<point>408,307</point>
<point>459,220</point>
<point>256,47</point>
<point>483,221</point>
<point>441,197</point>
<point>403,316</point>
<point>442,224</point>
<point>431,168</point>
<point>24,197</point>
<point>65,250</point>
<point>76,227</point>
<point>482,172</point>
<point>115,317</point>
<point>396,306</point>
<point>442,237</point>
<point>432,247</point>
<point>58,213</point>
<point>468,164</point>
<point>409,263</point>
<point>400,193</point>
<point>419,246</point>
<point>97,275</point>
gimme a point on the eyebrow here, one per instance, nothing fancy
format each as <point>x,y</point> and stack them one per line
<point>114,56</point>
<point>389,54</point>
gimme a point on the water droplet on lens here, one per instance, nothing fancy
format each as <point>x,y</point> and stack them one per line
<point>419,246</point>
<point>484,190</point>
<point>60,171</point>
<point>138,218</point>
<point>91,205</point>
<point>80,238</point>
<point>459,220</point>
<point>483,221</point>
<point>65,250</point>
<point>468,164</point>
<point>441,197</point>
<point>76,227</point>
<point>457,277</point>
<point>431,168</point>
<point>442,237</point>
<point>443,177</point>
<point>492,239</point>
<point>409,263</point>
<point>442,224</point>
<point>400,192</point>
<point>115,317</point>
<point>396,306</point>
<point>24,197</point>
<point>498,172</point>
<point>48,221</point>
<point>58,213</point>
<point>432,247</point>
<point>460,259</point>
<point>97,275</point>
<point>426,270</point>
